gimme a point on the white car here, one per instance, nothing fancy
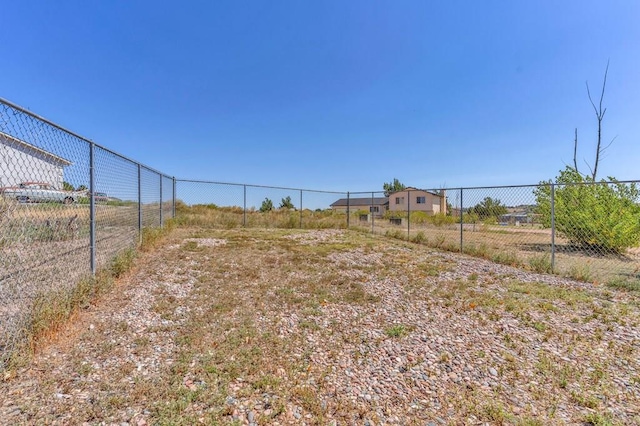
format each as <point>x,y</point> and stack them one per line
<point>38,192</point>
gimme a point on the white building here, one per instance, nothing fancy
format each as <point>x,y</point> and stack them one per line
<point>22,162</point>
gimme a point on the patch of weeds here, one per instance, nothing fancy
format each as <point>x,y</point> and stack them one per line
<point>598,419</point>
<point>539,326</point>
<point>191,246</point>
<point>444,357</point>
<point>308,324</point>
<point>430,269</point>
<point>123,262</point>
<point>528,421</point>
<point>541,264</point>
<point>419,238</point>
<point>506,258</point>
<point>473,276</point>
<point>142,341</point>
<point>544,366</point>
<point>309,400</point>
<point>580,272</point>
<point>625,284</point>
<point>357,294</point>
<point>588,401</point>
<point>494,412</point>
<point>397,330</point>
<point>395,233</point>
<point>266,383</point>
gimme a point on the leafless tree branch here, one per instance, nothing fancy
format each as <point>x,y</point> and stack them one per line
<point>575,150</point>
<point>599,116</point>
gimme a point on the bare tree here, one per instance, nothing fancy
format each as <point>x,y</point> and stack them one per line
<point>600,112</point>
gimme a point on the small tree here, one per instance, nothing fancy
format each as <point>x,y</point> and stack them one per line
<point>286,203</point>
<point>82,188</point>
<point>595,215</point>
<point>391,187</point>
<point>489,208</point>
<point>267,206</point>
<point>66,186</point>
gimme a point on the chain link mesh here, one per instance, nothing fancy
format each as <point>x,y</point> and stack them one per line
<point>588,231</point>
<point>46,231</point>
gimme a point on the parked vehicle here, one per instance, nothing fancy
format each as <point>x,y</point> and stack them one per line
<point>38,192</point>
<point>100,197</point>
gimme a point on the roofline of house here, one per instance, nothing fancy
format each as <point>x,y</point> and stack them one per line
<point>12,139</point>
<point>361,201</point>
<point>410,188</point>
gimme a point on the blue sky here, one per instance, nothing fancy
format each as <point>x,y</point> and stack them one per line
<point>339,95</point>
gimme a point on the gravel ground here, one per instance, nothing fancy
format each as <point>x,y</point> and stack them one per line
<point>425,337</point>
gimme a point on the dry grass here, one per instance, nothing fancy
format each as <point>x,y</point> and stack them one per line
<point>525,247</point>
<point>269,326</point>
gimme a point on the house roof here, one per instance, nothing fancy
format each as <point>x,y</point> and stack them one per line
<point>366,201</point>
<point>412,189</point>
<point>12,141</point>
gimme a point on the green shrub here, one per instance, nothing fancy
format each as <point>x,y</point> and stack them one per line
<point>598,216</point>
<point>419,218</point>
<point>441,219</point>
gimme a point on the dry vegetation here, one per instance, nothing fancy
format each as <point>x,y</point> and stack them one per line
<point>269,326</point>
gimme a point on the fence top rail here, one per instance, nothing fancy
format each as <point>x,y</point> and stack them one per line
<point>74,134</point>
<point>260,186</point>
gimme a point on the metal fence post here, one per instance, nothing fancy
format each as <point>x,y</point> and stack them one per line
<point>408,214</point>
<point>173,207</point>
<point>92,210</point>
<point>161,221</point>
<point>139,203</point>
<point>461,222</point>
<point>372,213</point>
<point>301,209</point>
<point>244,206</point>
<point>348,213</point>
<point>553,228</point>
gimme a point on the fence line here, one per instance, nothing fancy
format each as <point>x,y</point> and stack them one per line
<point>70,205</point>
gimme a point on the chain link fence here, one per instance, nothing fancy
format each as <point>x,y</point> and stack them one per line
<point>588,231</point>
<point>68,208</point>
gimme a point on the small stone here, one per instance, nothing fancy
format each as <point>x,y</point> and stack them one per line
<point>493,371</point>
<point>251,417</point>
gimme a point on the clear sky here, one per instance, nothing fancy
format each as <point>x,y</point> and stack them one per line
<point>335,95</point>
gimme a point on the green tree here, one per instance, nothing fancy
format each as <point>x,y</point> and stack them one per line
<point>66,186</point>
<point>391,187</point>
<point>267,206</point>
<point>82,188</point>
<point>489,208</point>
<point>286,203</point>
<point>595,215</point>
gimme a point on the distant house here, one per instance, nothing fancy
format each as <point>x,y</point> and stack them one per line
<point>378,206</point>
<point>22,162</point>
<point>412,199</point>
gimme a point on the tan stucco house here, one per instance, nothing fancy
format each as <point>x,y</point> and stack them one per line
<point>412,199</point>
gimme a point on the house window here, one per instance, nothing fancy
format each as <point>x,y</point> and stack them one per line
<point>373,209</point>
<point>399,200</point>
<point>421,200</point>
